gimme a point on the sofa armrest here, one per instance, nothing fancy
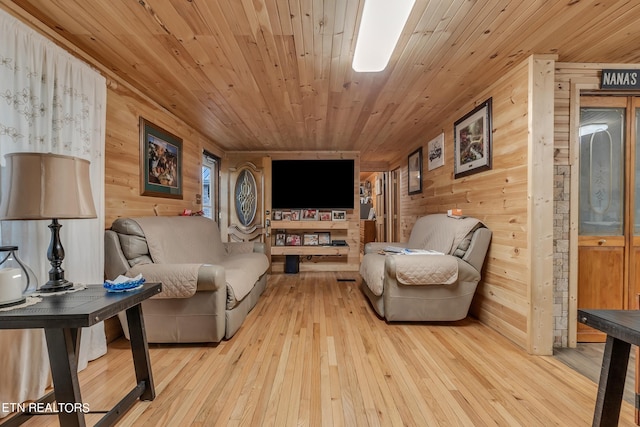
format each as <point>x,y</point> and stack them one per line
<point>422,269</point>
<point>182,280</point>
<point>260,248</point>
<point>211,278</point>
<point>478,247</point>
<point>373,247</point>
<point>115,262</point>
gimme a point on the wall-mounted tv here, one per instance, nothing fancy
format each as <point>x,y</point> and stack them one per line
<point>320,184</point>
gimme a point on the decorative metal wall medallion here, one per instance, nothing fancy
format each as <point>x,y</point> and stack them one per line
<point>246,196</point>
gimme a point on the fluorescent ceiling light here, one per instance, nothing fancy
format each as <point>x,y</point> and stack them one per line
<point>380,28</point>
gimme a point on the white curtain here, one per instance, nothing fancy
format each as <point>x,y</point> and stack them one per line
<point>54,103</point>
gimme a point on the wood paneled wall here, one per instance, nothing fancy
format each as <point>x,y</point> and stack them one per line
<point>572,79</point>
<point>498,197</point>
<point>125,105</point>
<point>122,157</point>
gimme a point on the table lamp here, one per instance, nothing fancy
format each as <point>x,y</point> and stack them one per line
<point>48,186</point>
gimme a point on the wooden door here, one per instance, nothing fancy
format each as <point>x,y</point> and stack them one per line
<point>606,195</point>
<point>244,218</point>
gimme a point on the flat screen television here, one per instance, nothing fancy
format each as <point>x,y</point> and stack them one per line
<point>312,184</point>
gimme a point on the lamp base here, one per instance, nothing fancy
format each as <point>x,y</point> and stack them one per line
<point>56,286</point>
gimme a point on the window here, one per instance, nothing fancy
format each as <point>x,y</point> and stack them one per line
<point>210,203</point>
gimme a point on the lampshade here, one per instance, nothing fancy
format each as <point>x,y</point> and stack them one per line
<point>46,186</point>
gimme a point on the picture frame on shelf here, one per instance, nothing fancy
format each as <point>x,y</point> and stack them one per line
<point>293,239</point>
<point>435,152</point>
<point>285,216</point>
<point>324,238</point>
<point>338,215</point>
<point>473,141</point>
<point>309,214</point>
<point>281,237</point>
<point>296,214</point>
<point>310,239</point>
<point>277,215</point>
<point>414,172</point>
<point>160,162</point>
<point>325,215</point>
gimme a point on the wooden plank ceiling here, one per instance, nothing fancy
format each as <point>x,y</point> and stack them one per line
<point>276,74</point>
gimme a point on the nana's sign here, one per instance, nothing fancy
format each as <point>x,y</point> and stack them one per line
<point>620,79</point>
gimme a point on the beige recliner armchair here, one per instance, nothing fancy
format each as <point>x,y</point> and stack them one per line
<point>420,287</point>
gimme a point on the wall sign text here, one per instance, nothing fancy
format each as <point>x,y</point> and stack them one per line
<point>620,79</point>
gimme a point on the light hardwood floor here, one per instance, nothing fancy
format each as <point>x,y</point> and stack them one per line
<point>586,358</point>
<point>313,353</point>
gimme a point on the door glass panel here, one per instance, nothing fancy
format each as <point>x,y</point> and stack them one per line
<point>601,197</point>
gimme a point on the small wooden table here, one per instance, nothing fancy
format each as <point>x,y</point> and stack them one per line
<point>623,329</point>
<point>61,317</point>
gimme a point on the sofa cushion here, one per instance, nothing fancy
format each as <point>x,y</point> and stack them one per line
<point>132,241</point>
<point>243,271</point>
<point>463,246</point>
<point>182,239</point>
<point>441,233</point>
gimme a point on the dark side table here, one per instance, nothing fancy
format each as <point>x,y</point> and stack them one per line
<point>61,317</point>
<point>623,329</point>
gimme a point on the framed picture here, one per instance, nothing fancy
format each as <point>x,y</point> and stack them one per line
<point>295,214</point>
<point>310,214</point>
<point>280,238</point>
<point>310,239</point>
<point>338,215</point>
<point>325,216</point>
<point>285,216</point>
<point>435,152</point>
<point>160,162</point>
<point>414,172</point>
<point>472,147</point>
<point>324,238</point>
<point>293,239</point>
<point>277,215</point>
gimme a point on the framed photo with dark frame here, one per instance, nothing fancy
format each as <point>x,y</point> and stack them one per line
<point>310,239</point>
<point>309,214</point>
<point>472,141</point>
<point>414,172</point>
<point>324,238</point>
<point>293,239</point>
<point>338,215</point>
<point>160,162</point>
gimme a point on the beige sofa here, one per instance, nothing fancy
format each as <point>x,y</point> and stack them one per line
<point>410,287</point>
<point>209,286</point>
